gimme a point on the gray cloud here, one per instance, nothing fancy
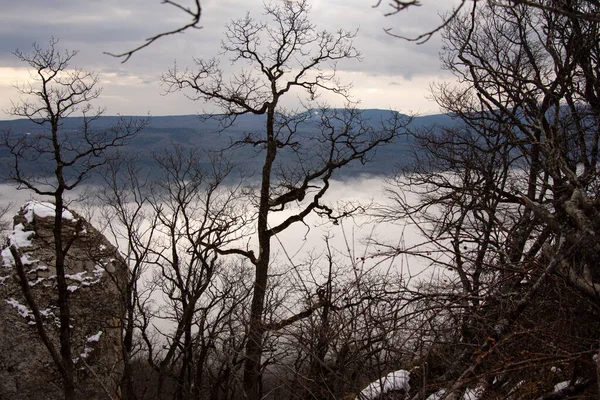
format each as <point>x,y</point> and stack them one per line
<point>98,26</point>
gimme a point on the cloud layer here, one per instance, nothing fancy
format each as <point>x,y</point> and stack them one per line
<point>393,73</point>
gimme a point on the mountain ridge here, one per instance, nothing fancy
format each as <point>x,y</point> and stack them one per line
<point>204,131</point>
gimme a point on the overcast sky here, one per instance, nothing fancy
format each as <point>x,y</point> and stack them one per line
<point>394,74</point>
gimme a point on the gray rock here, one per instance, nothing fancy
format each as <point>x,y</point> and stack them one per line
<point>94,269</point>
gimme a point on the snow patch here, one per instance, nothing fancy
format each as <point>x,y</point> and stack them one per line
<point>563,385</point>
<point>560,386</point>
<point>26,313</point>
<point>473,394</point>
<point>23,311</point>
<point>20,237</point>
<point>25,260</point>
<point>99,271</point>
<point>40,268</point>
<point>437,395</point>
<point>470,394</point>
<point>44,210</point>
<point>79,277</point>
<point>47,313</point>
<point>94,338</point>
<point>394,381</point>
<point>84,279</point>
<point>7,258</point>
<point>87,350</point>
<point>38,280</point>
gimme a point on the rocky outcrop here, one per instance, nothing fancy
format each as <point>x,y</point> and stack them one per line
<point>94,267</point>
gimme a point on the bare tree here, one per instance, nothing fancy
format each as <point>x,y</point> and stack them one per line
<point>196,215</point>
<point>62,159</point>
<point>4,223</point>
<point>346,341</point>
<point>396,6</point>
<point>169,228</point>
<point>285,56</point>
<point>507,198</point>
<point>126,219</point>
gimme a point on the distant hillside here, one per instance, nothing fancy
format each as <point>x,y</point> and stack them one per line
<point>202,132</point>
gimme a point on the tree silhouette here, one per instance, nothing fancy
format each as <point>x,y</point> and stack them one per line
<point>62,160</point>
<point>288,56</point>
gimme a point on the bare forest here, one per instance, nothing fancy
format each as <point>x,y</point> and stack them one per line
<point>192,290</point>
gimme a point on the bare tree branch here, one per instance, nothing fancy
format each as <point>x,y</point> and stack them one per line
<point>195,13</point>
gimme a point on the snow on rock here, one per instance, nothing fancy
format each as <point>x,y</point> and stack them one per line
<point>23,311</point>
<point>394,381</point>
<point>26,313</point>
<point>469,394</point>
<point>7,258</point>
<point>20,237</point>
<point>94,338</point>
<point>19,240</point>
<point>473,394</point>
<point>44,210</point>
<point>515,388</point>
<point>560,386</point>
<point>85,279</point>
<point>78,277</point>
<point>565,384</point>
<point>48,312</point>
<point>99,270</point>
<point>36,281</point>
<point>94,305</point>
<point>87,350</point>
<point>25,260</point>
<point>36,269</point>
<point>437,395</point>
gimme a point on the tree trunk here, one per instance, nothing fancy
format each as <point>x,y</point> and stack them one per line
<point>63,299</point>
<point>256,329</point>
<point>126,385</point>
